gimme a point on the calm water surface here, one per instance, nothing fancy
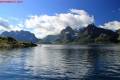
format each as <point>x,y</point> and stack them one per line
<point>61,62</point>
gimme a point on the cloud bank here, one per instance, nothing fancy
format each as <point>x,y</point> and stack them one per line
<point>113,25</point>
<point>45,25</point>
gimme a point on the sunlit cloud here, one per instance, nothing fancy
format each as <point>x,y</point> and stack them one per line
<point>113,25</point>
<point>43,25</point>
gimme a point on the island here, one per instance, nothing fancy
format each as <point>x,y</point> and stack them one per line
<point>17,39</point>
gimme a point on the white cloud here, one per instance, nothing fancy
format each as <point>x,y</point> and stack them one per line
<point>6,26</point>
<point>113,25</point>
<point>43,25</point>
<point>3,24</point>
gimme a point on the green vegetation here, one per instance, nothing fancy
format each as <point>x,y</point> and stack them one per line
<point>8,42</point>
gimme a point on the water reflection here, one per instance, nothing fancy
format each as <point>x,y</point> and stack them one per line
<point>103,61</point>
<point>61,62</point>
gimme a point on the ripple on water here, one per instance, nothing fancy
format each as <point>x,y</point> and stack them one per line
<point>61,62</point>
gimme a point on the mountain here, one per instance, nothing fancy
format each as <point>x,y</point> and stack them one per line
<point>118,31</point>
<point>67,34</point>
<point>50,39</point>
<point>23,36</point>
<point>89,34</point>
<point>95,34</point>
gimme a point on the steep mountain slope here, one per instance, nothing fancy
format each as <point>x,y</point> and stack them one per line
<point>89,34</point>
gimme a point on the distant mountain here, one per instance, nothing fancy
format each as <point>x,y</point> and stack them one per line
<point>24,36</point>
<point>96,34</point>
<point>67,35</point>
<point>50,39</point>
<point>89,34</point>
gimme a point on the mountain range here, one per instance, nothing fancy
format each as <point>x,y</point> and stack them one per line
<point>89,34</point>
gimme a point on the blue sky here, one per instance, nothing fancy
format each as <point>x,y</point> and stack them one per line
<point>104,11</point>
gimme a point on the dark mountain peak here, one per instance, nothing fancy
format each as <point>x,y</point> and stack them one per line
<point>91,27</point>
<point>67,34</point>
<point>68,28</point>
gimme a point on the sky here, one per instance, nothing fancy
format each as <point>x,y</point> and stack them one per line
<point>45,17</point>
